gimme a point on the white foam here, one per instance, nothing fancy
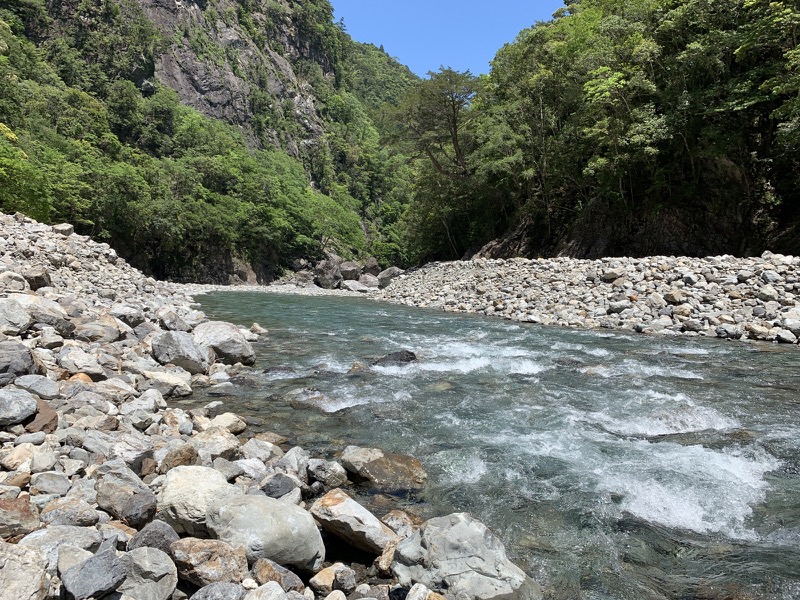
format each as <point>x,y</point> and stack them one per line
<point>456,467</point>
<point>654,413</point>
<point>692,488</point>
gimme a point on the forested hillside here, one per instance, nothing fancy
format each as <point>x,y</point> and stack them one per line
<point>620,128</point>
<point>194,135</point>
<point>202,135</point>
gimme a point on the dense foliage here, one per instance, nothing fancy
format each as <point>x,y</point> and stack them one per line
<point>627,127</point>
<point>180,194</point>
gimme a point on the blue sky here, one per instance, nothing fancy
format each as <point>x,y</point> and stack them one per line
<point>427,34</point>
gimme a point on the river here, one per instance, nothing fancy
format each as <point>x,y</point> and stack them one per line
<point>613,466</point>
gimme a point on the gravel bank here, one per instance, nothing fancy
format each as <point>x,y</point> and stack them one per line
<point>723,296</point>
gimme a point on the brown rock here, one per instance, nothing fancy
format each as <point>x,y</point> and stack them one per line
<point>46,419</point>
<point>384,469</point>
<point>203,562</point>
<point>81,377</point>
<point>18,516</point>
<point>184,456</point>
<point>266,570</point>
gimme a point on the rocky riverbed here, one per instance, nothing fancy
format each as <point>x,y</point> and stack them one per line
<point>108,489</point>
<point>723,296</point>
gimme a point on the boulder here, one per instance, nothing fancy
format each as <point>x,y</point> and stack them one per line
<point>329,473</point>
<point>156,534</point>
<point>227,341</point>
<point>393,359</point>
<point>49,540</point>
<point>279,484</point>
<point>350,270</point>
<point>64,229</point>
<point>13,318</point>
<point>266,570</point>
<point>336,577</point>
<point>50,483</point>
<point>346,519</point>
<point>220,591</point>
<point>203,562</point>
<point>13,282</point>
<point>100,328</point>
<point>180,348</point>
<point>18,516</point>
<point>75,360</point>
<point>15,360</point>
<point>151,574</point>
<point>45,388</point>
<point>16,405</point>
<point>216,442</point>
<point>268,528</point>
<point>46,312</point>
<point>385,470</point>
<point>95,577</point>
<point>460,557</point>
<point>69,511</point>
<point>369,281</point>
<point>186,495</point>
<point>355,286</point>
<point>37,277</point>
<point>123,495</point>
<point>327,274</point>
<point>371,266</point>
<point>386,276</point>
<point>23,572</point>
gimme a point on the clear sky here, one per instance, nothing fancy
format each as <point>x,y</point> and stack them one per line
<point>427,34</point>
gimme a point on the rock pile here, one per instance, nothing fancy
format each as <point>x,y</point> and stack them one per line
<point>108,490</point>
<point>334,273</point>
<point>722,296</point>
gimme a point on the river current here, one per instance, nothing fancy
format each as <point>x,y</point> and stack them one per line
<point>613,466</point>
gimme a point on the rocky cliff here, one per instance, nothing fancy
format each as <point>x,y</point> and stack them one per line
<point>237,65</point>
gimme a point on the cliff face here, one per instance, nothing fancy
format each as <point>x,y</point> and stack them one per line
<point>235,64</point>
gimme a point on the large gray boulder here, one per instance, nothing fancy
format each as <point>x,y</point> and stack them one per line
<point>227,341</point>
<point>45,311</point>
<point>350,270</point>
<point>186,495</point>
<point>23,572</point>
<point>346,519</point>
<point>122,494</point>
<point>459,557</point>
<point>151,574</point>
<point>49,540</point>
<point>156,534</point>
<point>327,274</point>
<point>15,360</point>
<point>268,528</point>
<point>179,348</point>
<point>13,318</point>
<point>16,405</point>
<point>386,276</point>
<point>95,577</point>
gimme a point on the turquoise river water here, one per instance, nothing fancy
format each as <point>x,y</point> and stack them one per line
<point>613,466</point>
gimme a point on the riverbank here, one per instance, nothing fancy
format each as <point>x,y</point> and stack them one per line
<point>109,489</point>
<point>726,297</point>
